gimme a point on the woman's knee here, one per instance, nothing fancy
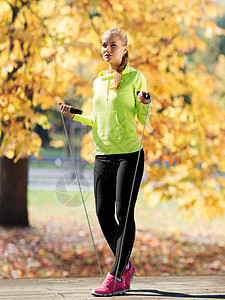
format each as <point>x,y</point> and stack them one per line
<point>121,215</point>
<point>104,215</point>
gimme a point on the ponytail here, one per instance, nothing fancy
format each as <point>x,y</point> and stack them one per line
<point>118,76</point>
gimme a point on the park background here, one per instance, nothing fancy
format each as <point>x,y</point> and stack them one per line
<point>50,50</point>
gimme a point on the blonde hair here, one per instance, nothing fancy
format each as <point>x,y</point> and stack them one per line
<point>118,76</point>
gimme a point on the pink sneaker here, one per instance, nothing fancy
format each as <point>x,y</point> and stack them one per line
<point>128,276</point>
<point>106,288</point>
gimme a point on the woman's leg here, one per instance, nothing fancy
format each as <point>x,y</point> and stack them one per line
<point>125,177</point>
<point>105,196</point>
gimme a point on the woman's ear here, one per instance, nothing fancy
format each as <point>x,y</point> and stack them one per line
<point>125,49</point>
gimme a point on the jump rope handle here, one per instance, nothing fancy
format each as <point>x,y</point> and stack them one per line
<point>76,111</point>
<point>79,111</point>
<point>146,96</point>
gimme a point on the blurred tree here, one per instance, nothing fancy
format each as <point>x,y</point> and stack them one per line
<point>49,46</point>
<point>19,90</point>
<point>221,23</point>
<point>33,75</point>
<point>211,58</point>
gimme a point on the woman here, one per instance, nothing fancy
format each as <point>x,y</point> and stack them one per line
<point>115,104</point>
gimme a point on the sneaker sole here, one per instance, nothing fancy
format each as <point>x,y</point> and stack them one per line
<point>131,280</point>
<point>108,295</point>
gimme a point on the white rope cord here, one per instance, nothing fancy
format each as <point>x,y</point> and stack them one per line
<point>129,203</point>
<point>73,162</point>
<point>78,180</point>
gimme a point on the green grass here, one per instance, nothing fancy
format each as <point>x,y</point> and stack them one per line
<point>164,219</point>
<point>45,208</point>
<point>48,152</point>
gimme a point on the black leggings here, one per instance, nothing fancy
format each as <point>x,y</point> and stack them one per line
<point>113,179</point>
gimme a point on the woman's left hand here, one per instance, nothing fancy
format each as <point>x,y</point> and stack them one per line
<point>142,99</point>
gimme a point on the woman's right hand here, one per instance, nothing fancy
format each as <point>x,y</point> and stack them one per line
<point>65,110</point>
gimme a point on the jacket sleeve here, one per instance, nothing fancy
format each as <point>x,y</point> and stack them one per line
<point>140,85</point>
<point>86,120</point>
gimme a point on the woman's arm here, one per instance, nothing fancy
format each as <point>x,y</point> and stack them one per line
<point>65,110</point>
<point>140,100</point>
<point>86,120</point>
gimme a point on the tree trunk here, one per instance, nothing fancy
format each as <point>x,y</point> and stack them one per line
<point>13,192</point>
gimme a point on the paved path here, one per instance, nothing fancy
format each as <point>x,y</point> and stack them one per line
<point>163,288</point>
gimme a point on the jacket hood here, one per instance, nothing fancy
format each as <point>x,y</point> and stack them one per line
<point>105,75</point>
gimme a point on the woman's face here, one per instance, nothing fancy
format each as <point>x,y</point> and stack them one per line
<point>112,49</point>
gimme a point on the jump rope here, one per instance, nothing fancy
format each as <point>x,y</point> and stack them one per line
<point>78,111</point>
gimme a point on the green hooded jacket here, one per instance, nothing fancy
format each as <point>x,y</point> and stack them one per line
<point>113,118</point>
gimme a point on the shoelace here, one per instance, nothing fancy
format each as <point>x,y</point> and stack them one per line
<point>106,282</point>
<point>125,274</point>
